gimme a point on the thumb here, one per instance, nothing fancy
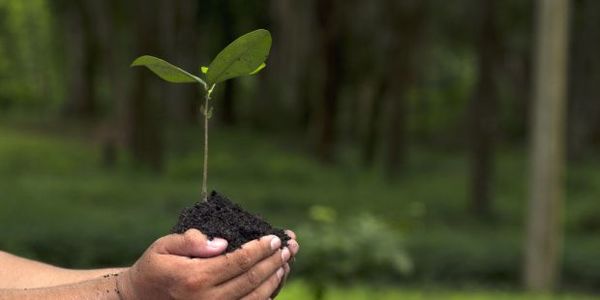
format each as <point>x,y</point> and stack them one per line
<point>192,243</point>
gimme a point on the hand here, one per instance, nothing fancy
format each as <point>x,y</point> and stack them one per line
<point>294,247</point>
<point>184,266</point>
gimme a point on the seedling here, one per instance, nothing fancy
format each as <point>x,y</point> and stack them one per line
<point>244,56</point>
<point>215,215</point>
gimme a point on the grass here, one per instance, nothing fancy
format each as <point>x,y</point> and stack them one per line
<point>299,290</point>
<point>58,203</point>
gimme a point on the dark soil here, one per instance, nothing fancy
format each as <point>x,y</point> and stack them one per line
<point>219,217</point>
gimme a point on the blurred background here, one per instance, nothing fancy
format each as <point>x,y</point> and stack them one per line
<point>395,137</point>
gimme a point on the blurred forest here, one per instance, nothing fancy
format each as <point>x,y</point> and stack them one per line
<point>464,134</point>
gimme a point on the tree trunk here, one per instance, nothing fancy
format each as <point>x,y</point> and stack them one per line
<point>104,20</point>
<point>372,123</point>
<point>228,111</point>
<point>407,19</point>
<point>482,112</point>
<point>283,95</point>
<point>397,135</point>
<point>584,94</point>
<point>144,106</point>
<point>330,52</point>
<point>179,43</point>
<point>228,102</point>
<point>544,230</point>
<point>83,55</point>
<point>187,53</point>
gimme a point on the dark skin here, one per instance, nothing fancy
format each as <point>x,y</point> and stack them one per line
<point>177,266</point>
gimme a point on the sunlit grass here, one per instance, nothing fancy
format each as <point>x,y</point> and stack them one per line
<point>297,290</point>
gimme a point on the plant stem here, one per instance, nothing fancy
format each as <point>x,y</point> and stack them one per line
<point>205,171</point>
<point>207,116</point>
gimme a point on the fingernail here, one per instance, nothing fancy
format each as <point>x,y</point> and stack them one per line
<point>275,243</point>
<point>285,254</point>
<point>280,273</point>
<point>290,234</point>
<point>217,243</point>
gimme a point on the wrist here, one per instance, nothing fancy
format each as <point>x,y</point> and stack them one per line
<point>124,287</point>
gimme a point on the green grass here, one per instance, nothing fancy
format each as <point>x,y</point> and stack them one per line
<point>58,204</point>
<point>297,290</point>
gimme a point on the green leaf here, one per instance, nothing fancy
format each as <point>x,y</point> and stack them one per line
<point>165,70</point>
<point>242,57</point>
<point>204,69</point>
<point>262,66</point>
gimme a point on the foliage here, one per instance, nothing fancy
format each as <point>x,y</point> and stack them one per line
<point>452,257</point>
<point>28,80</point>
<point>244,56</point>
<point>165,70</point>
<point>62,207</point>
<point>346,250</point>
<point>50,182</point>
<point>299,289</point>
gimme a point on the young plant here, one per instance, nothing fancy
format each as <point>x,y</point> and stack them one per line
<point>244,56</point>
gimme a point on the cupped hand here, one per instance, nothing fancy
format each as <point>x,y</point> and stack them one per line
<point>189,266</point>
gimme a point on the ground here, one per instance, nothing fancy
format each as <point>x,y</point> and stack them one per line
<point>297,290</point>
<point>64,207</point>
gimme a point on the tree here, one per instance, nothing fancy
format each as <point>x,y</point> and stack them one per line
<point>407,23</point>
<point>584,71</point>
<point>284,93</point>
<point>482,113</point>
<point>544,233</point>
<point>227,110</point>
<point>143,112</point>
<point>370,55</point>
<point>373,121</point>
<point>82,50</point>
<point>328,17</point>
<point>179,41</point>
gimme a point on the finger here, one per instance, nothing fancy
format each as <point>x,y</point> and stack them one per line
<point>294,247</point>
<point>267,288</point>
<point>241,260</point>
<point>291,234</point>
<point>192,243</point>
<point>286,269</point>
<point>251,280</point>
